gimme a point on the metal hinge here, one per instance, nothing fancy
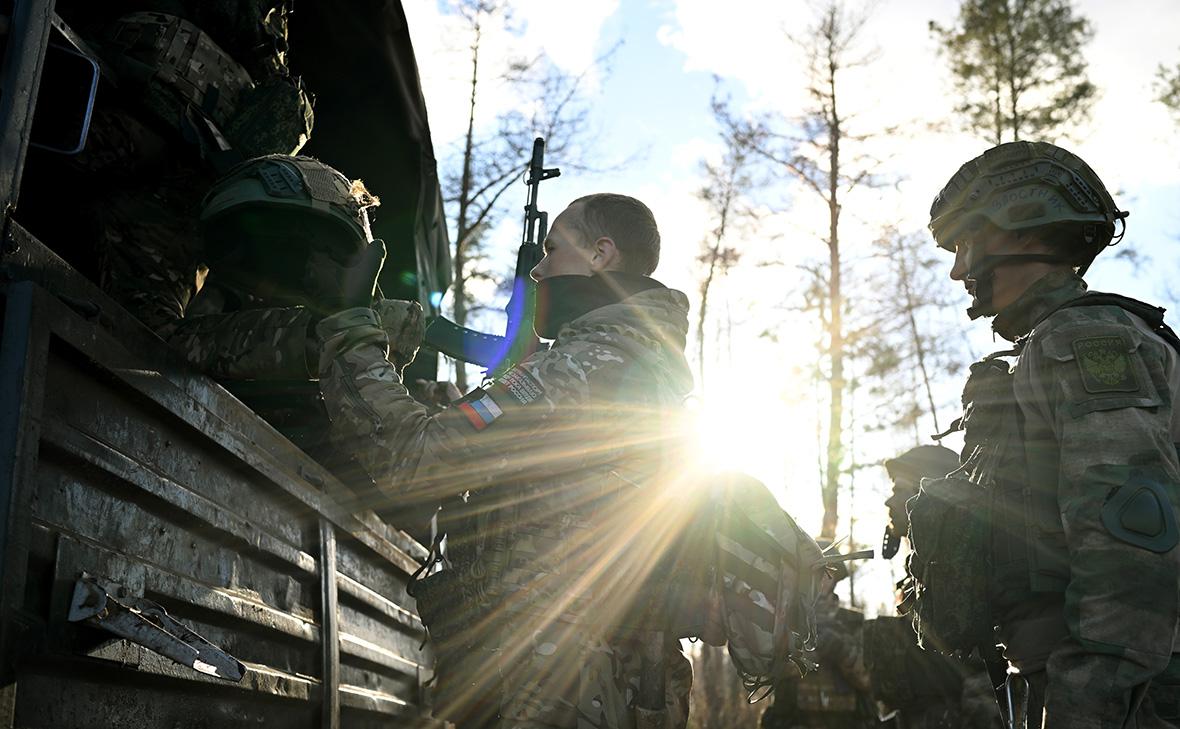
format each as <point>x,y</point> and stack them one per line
<point>144,622</point>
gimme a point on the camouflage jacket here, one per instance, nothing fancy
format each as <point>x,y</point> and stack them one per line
<point>1086,492</point>
<point>839,693</point>
<point>928,690</point>
<point>545,475</point>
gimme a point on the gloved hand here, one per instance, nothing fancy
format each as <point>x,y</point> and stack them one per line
<point>434,394</point>
<point>403,325</point>
<point>336,286</point>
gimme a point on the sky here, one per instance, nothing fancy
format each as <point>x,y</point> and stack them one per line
<point>651,108</point>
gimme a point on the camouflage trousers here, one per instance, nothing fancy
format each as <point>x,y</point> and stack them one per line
<point>552,677</point>
<point>1159,707</point>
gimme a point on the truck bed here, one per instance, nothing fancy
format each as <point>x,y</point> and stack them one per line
<point>119,462</point>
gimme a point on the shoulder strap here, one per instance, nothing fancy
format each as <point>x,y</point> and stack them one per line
<point>1153,315</point>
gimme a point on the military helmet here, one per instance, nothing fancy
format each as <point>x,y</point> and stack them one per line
<point>288,191</point>
<point>924,461</point>
<point>1027,185</point>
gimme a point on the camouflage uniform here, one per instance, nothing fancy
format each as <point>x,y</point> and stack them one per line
<point>927,690</point>
<point>546,476</point>
<point>151,260</point>
<point>1072,436</point>
<point>1092,387</point>
<point>838,695</point>
<point>154,146</point>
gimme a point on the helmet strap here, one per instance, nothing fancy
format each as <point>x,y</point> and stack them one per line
<point>982,271</point>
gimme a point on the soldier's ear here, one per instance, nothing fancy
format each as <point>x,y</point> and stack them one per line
<point>605,255</point>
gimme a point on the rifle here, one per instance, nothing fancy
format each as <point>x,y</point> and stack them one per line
<point>494,353</point>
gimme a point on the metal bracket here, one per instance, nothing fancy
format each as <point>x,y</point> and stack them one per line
<point>146,623</point>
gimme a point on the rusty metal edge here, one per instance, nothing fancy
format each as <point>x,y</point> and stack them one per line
<point>329,627</point>
<point>23,350</point>
<point>20,79</point>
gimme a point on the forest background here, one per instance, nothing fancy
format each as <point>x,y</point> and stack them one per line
<point>790,152</point>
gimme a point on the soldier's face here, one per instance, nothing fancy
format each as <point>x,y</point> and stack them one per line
<point>903,489</point>
<point>566,253</point>
<point>1010,278</point>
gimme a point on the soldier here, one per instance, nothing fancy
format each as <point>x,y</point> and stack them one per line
<point>544,473</point>
<point>178,109</point>
<point>1071,434</point>
<point>927,690</point>
<point>278,230</point>
<point>906,472</point>
<point>839,694</point>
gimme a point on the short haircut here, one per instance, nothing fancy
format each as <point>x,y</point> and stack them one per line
<point>626,221</point>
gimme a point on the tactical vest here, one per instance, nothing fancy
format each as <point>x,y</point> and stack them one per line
<point>1029,552</point>
<point>1018,542</point>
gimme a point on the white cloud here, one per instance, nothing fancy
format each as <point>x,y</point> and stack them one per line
<point>1131,140</point>
<point>567,32</point>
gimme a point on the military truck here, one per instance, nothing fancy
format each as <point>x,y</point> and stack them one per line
<point>170,559</point>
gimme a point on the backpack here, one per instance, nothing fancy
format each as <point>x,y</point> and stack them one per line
<point>746,576</point>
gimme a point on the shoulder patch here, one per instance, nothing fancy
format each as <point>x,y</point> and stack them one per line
<point>1105,364</point>
<point>520,386</point>
<point>480,409</point>
<point>514,390</point>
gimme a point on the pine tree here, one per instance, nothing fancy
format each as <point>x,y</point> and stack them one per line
<point>1167,88</point>
<point>1018,67</point>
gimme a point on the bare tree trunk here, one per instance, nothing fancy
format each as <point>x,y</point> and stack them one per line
<point>723,191</point>
<point>835,448</point>
<point>915,335</point>
<point>714,255</point>
<point>462,226</point>
<point>701,314</point>
<point>999,99</point>
<point>852,568</point>
<point>1013,93</point>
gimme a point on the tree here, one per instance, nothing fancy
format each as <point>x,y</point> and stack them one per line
<point>912,284</point>
<point>727,185</point>
<point>821,153</point>
<point>1018,67</point>
<point>552,105</point>
<point>1167,88</point>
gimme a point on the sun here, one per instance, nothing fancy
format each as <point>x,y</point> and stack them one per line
<point>768,433</point>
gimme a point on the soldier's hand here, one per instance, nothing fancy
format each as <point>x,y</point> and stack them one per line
<point>335,285</point>
<point>403,325</point>
<point>434,394</point>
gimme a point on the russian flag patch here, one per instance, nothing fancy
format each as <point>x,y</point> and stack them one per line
<point>481,410</point>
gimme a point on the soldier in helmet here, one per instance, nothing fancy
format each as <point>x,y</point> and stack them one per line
<point>839,694</point>
<point>1071,434</point>
<point>906,472</point>
<point>927,690</point>
<point>177,110</point>
<point>276,232</point>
